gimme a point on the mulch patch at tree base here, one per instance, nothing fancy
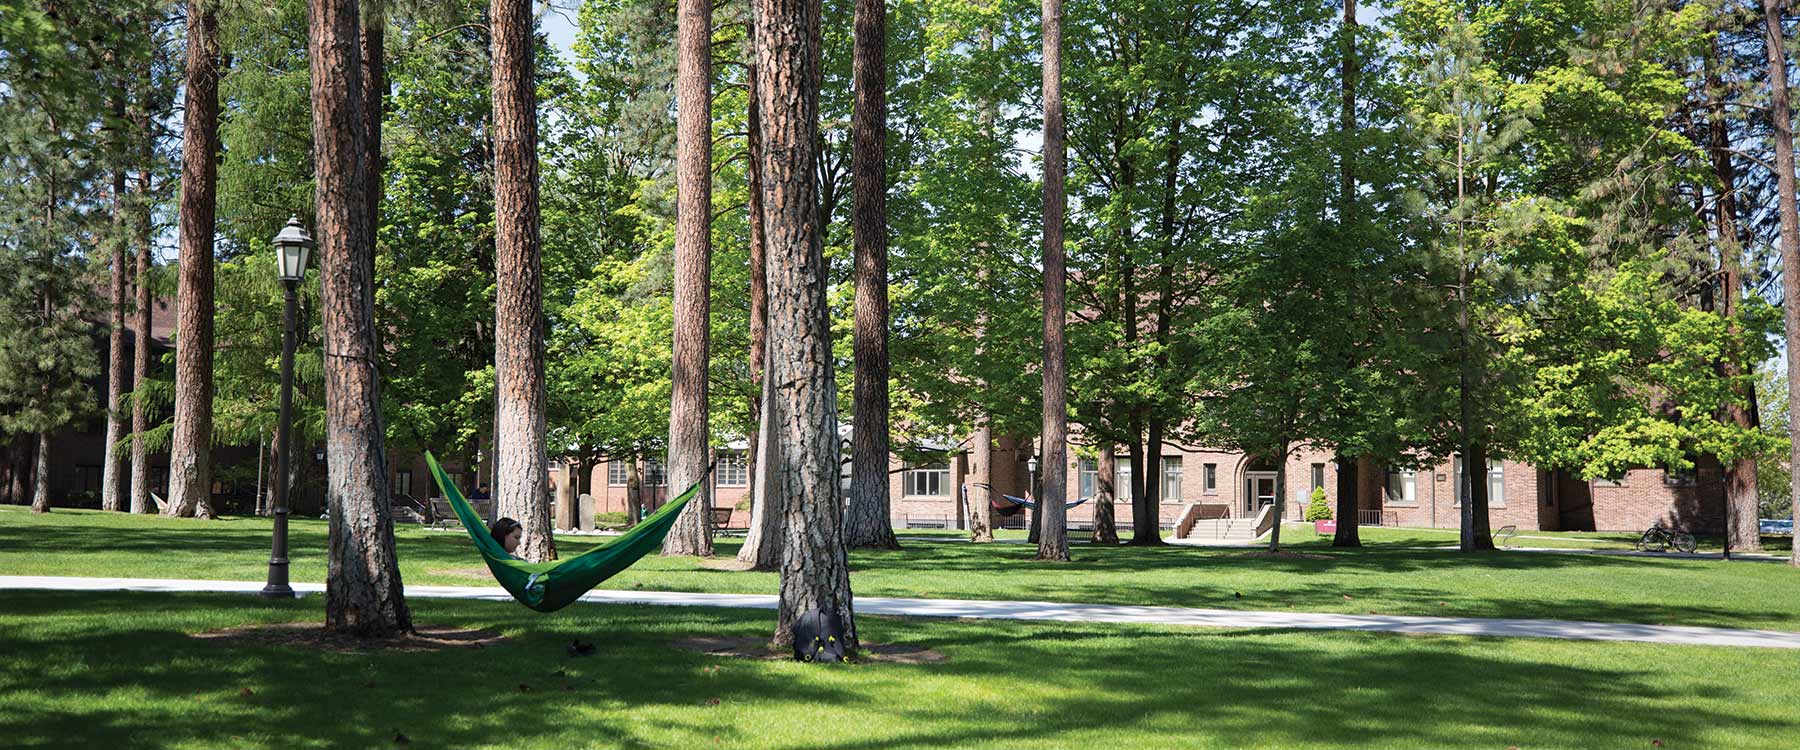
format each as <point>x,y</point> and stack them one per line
<point>752,647</point>
<point>312,635</point>
<point>1284,555</point>
<point>725,563</point>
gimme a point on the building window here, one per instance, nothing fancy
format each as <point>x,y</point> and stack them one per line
<point>403,482</point>
<point>927,480</point>
<point>1496,482</point>
<point>733,472</point>
<point>618,473</point>
<point>655,473</point>
<point>1318,476</point>
<point>1122,481</point>
<point>1210,480</point>
<point>1090,478</point>
<point>1403,487</point>
<point>1171,489</point>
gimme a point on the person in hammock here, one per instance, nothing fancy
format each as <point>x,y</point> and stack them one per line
<point>507,532</point>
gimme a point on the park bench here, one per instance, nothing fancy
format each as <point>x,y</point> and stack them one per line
<point>444,516</point>
<point>927,522</point>
<point>721,523</point>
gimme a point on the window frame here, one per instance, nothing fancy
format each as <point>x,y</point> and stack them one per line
<point>1209,480</point>
<point>1171,479</point>
<point>1389,497</point>
<point>932,472</point>
<point>730,461</point>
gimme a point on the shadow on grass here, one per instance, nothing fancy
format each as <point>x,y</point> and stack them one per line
<point>121,671</point>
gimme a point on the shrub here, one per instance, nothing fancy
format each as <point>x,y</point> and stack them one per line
<point>1318,510</point>
<point>611,519</point>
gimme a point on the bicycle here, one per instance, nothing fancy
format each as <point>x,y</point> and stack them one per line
<point>1659,538</point>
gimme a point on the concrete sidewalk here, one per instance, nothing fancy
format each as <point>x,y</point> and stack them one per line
<point>1034,611</point>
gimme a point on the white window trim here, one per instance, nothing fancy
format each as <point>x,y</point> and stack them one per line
<point>906,481</point>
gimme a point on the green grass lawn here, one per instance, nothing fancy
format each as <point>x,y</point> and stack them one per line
<point>121,671</point>
<point>1388,576</point>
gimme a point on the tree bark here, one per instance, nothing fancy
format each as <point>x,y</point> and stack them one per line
<point>40,476</point>
<point>24,465</point>
<point>689,435</point>
<point>1348,516</point>
<point>814,571</point>
<point>141,334</point>
<point>1280,495</point>
<point>761,548</point>
<point>869,523</point>
<point>1106,530</point>
<point>762,541</point>
<point>1053,542</point>
<point>363,592</point>
<point>1780,118</point>
<point>1743,533</point>
<point>374,74</point>
<point>521,470</point>
<point>980,495</point>
<point>110,497</point>
<point>190,450</point>
<point>634,491</point>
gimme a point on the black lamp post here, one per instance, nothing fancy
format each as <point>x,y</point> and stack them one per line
<point>291,248</point>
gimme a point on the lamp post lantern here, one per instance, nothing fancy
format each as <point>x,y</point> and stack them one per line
<point>292,246</point>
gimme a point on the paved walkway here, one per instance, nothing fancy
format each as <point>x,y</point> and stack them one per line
<point>1035,611</point>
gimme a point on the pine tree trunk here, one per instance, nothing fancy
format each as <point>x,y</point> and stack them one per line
<point>1743,532</point>
<point>760,549</point>
<point>1780,117</point>
<point>1106,530</point>
<point>1347,510</point>
<point>190,450</point>
<point>689,435</point>
<point>40,476</point>
<point>804,462</point>
<point>521,470</point>
<point>981,493</point>
<point>1053,542</point>
<point>869,523</point>
<point>110,496</point>
<point>762,541</point>
<point>141,341</point>
<point>373,54</point>
<point>363,592</point>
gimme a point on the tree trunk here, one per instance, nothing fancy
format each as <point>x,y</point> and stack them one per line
<point>634,491</point>
<point>1146,484</point>
<point>374,74</point>
<point>1347,510</point>
<point>1742,530</point>
<point>804,461</point>
<point>1780,117</point>
<point>1280,496</point>
<point>363,593</point>
<point>1053,543</point>
<point>521,471</point>
<point>761,548</point>
<point>869,523</point>
<point>40,476</point>
<point>190,449</point>
<point>688,430</point>
<point>1473,524</point>
<point>141,339</point>
<point>980,494</point>
<point>1475,468</point>
<point>110,498</point>
<point>24,464</point>
<point>762,541</point>
<point>1347,120</point>
<point>1106,531</point>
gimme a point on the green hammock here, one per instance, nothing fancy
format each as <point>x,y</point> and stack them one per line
<point>550,586</point>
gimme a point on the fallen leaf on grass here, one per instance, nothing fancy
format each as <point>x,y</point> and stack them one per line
<point>524,688</point>
<point>401,739</point>
<point>246,692</point>
<point>712,701</point>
